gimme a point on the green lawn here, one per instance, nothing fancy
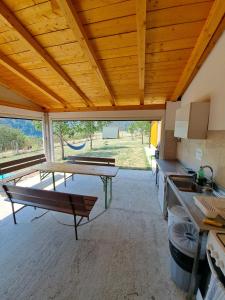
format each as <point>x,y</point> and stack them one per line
<point>11,155</point>
<point>127,152</point>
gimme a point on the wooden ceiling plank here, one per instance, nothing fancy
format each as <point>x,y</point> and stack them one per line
<point>178,14</point>
<point>174,55</point>
<point>117,52</point>
<point>108,12</point>
<point>90,4</point>
<point>163,4</point>
<point>34,45</point>
<point>174,32</point>
<point>127,39</point>
<point>178,64</point>
<point>171,45</point>
<point>141,43</point>
<point>161,85</point>
<point>215,16</point>
<point>75,24</point>
<point>55,7</point>
<point>111,27</point>
<point>16,69</point>
<point>111,63</point>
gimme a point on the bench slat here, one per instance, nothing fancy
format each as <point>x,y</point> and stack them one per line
<point>21,166</point>
<point>90,163</point>
<point>55,208</point>
<point>57,201</point>
<point>16,176</point>
<point>21,160</point>
<point>102,161</point>
<point>77,205</point>
<point>48,194</point>
<point>89,158</point>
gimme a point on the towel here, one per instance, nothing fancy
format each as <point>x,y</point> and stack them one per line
<point>216,290</point>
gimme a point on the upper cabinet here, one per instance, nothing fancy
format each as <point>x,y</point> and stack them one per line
<point>171,108</point>
<point>192,121</point>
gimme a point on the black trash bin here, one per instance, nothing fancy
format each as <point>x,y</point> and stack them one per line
<point>183,239</point>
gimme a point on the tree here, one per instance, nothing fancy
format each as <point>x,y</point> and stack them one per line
<point>62,129</point>
<point>68,129</point>
<point>132,129</point>
<point>11,138</point>
<point>89,128</point>
<point>143,127</point>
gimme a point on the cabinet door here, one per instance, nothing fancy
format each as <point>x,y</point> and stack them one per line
<point>161,191</point>
<point>182,122</point>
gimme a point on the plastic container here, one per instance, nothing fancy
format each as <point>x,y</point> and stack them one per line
<point>183,239</point>
<point>177,214</point>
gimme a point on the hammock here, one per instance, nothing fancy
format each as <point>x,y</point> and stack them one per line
<point>74,147</point>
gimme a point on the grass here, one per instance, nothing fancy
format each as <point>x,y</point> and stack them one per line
<point>127,152</point>
<point>11,155</point>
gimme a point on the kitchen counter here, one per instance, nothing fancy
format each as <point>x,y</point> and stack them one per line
<point>170,167</point>
<point>197,217</point>
<point>194,213</point>
<point>165,168</point>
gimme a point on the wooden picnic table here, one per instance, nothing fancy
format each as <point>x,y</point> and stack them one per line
<point>106,173</point>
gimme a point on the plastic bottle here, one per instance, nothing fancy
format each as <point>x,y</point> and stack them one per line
<point>201,176</point>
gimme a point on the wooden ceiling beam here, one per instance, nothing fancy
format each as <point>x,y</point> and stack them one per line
<point>16,69</point>
<point>113,108</point>
<point>141,43</point>
<point>210,28</point>
<point>34,45</point>
<point>75,24</point>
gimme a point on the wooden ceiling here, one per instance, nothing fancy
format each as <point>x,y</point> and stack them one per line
<point>67,55</point>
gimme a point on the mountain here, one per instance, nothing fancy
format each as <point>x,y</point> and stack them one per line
<point>26,126</point>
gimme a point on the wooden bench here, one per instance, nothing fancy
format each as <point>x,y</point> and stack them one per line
<point>20,164</point>
<point>88,160</point>
<point>99,161</point>
<point>76,205</point>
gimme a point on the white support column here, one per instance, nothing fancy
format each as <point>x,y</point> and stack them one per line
<point>48,137</point>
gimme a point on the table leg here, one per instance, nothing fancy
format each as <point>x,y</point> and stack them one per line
<point>193,285</point>
<point>65,179</point>
<point>106,191</point>
<point>107,180</point>
<point>110,179</point>
<point>53,180</point>
<point>156,174</point>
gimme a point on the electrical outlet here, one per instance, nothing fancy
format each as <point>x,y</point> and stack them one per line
<point>198,154</point>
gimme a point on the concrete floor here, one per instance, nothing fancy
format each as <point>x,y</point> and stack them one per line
<point>123,254</point>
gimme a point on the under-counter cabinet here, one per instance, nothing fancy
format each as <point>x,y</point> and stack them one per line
<point>161,191</point>
<point>192,121</point>
<point>163,169</point>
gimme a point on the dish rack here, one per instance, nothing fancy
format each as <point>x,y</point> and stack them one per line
<point>211,206</point>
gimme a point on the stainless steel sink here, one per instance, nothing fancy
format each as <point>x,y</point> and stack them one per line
<point>186,184</point>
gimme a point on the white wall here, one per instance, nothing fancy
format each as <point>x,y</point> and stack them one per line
<point>153,115</point>
<point>13,97</point>
<point>209,83</point>
<point>12,112</point>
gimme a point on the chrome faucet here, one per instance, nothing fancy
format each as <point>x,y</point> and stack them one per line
<point>211,169</point>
